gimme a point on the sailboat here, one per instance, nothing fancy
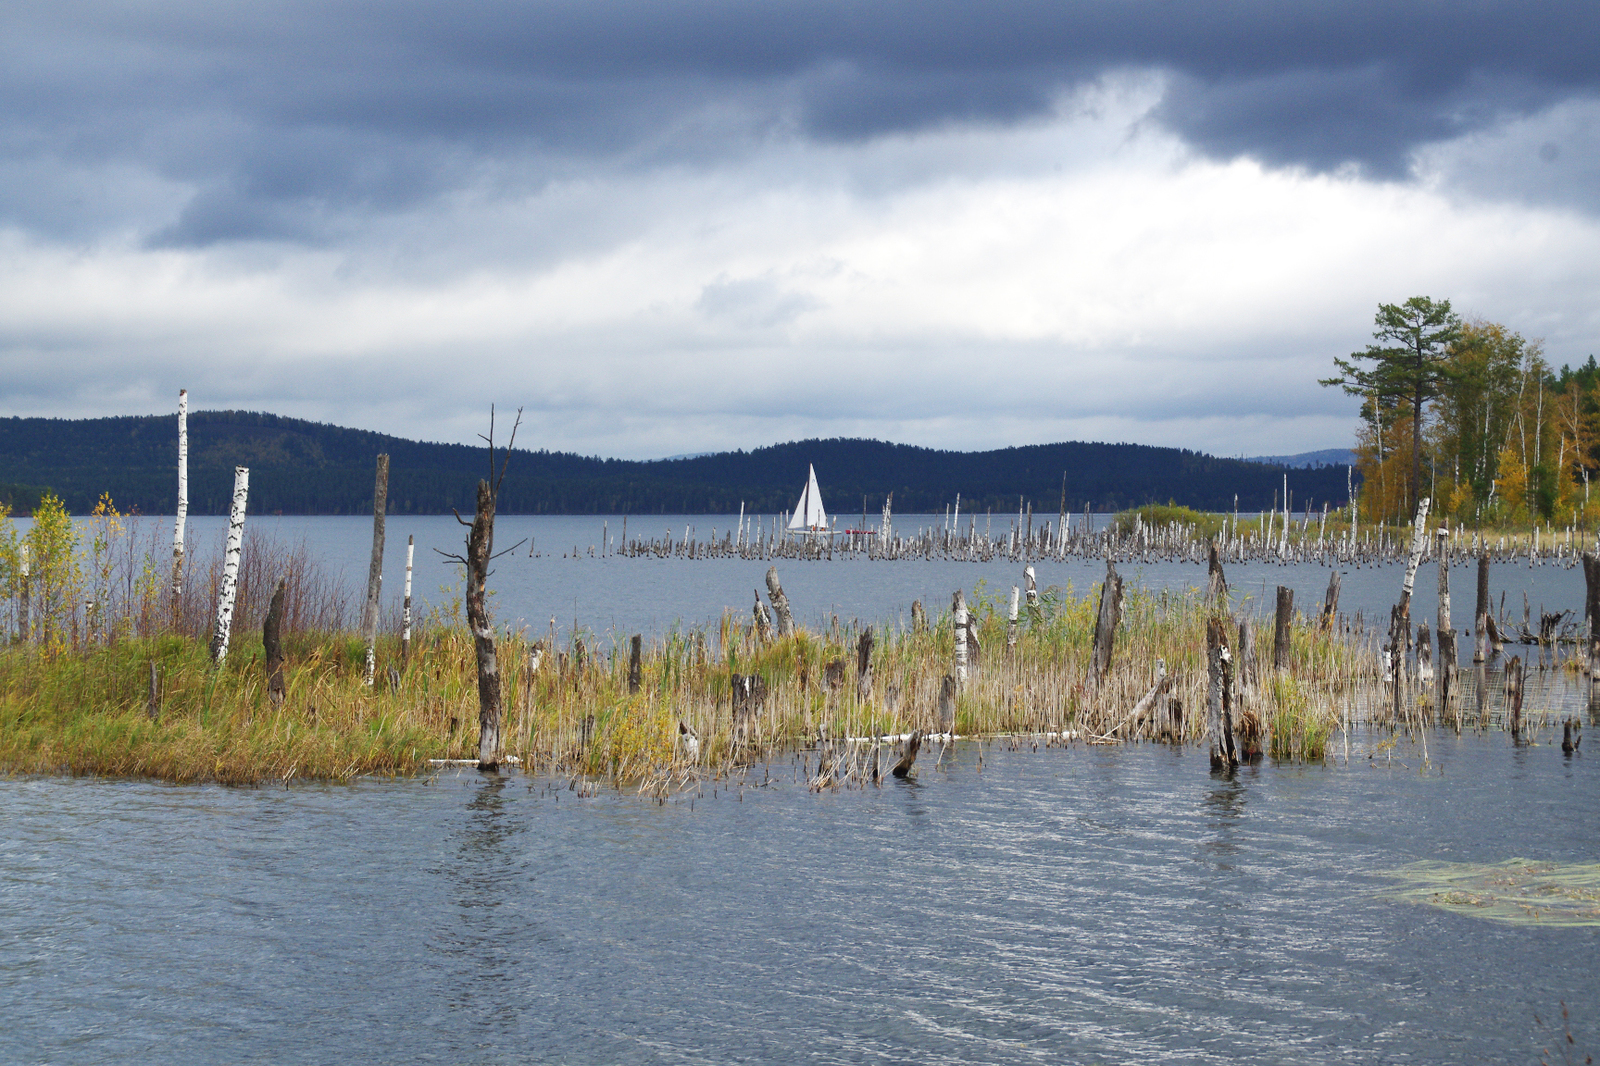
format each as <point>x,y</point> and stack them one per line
<point>809,517</point>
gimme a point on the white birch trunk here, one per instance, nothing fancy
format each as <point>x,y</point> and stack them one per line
<point>958,607</point>
<point>405,609</point>
<point>183,497</point>
<point>230,565</point>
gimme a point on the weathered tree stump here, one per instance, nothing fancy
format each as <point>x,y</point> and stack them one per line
<point>919,617</point>
<point>864,667</point>
<point>1107,617</point>
<point>909,756</point>
<point>634,666</point>
<point>1216,582</point>
<point>1280,634</point>
<point>1571,735</point>
<point>223,630</point>
<point>1424,654</point>
<point>1011,623</point>
<point>1247,670</point>
<point>1480,616</point>
<point>833,674</point>
<point>369,616</point>
<point>947,705</point>
<point>1330,601</point>
<point>1514,681</point>
<point>762,618</point>
<point>272,643</point>
<point>958,612</point>
<point>780,603</point>
<point>1219,697</point>
<point>1591,612</point>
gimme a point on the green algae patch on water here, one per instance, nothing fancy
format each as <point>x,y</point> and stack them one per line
<point>1520,891</point>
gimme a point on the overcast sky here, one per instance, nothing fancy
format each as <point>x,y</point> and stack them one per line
<point>678,225</point>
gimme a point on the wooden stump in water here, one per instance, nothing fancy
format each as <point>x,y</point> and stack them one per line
<point>1514,681</point>
<point>1219,697</point>
<point>1330,601</point>
<point>903,767</point>
<point>1424,654</point>
<point>919,617</point>
<point>1571,735</point>
<point>1480,616</point>
<point>1246,668</point>
<point>958,611</point>
<point>1280,632</point>
<point>1216,582</point>
<point>1591,611</point>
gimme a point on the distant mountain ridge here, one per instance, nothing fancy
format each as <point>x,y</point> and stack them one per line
<point>300,467</point>
<point>1325,457</point>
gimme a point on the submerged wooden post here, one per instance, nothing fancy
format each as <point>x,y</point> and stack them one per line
<point>230,566</point>
<point>1280,631</point>
<point>183,503</point>
<point>1107,617</point>
<point>272,644</point>
<point>958,610</point>
<point>1219,697</point>
<point>780,603</point>
<point>1330,601</point>
<point>369,617</point>
<point>405,608</point>
<point>634,668</point>
<point>1514,696</point>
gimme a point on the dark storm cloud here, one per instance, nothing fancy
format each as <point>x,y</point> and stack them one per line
<point>287,115</point>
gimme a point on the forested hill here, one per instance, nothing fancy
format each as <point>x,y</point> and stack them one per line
<point>299,467</point>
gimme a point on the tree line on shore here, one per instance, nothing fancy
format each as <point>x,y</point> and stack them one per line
<point>1470,413</point>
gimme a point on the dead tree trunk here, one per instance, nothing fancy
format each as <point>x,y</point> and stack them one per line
<point>1219,698</point>
<point>1424,654</point>
<point>1216,582</point>
<point>780,603</point>
<point>480,549</point>
<point>272,644</point>
<point>919,617</point>
<point>864,667</point>
<point>183,504</point>
<point>405,608</point>
<point>634,667</point>
<point>763,619</point>
<point>1330,602</point>
<point>947,705</point>
<point>369,618</point>
<point>480,552</point>
<point>1107,617</point>
<point>1011,623</point>
<point>1246,669</point>
<point>1514,696</point>
<point>1445,678</point>
<point>230,566</point>
<point>1480,616</point>
<point>1591,611</point>
<point>958,611</point>
<point>1280,631</point>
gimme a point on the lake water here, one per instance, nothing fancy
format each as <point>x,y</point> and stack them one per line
<point>617,596</point>
<point>1081,905</point>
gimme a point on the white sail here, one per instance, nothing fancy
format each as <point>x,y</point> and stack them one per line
<point>808,513</point>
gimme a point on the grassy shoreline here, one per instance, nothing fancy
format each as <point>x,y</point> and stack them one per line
<point>84,709</point>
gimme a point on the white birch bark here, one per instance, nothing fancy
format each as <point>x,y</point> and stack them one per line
<point>405,609</point>
<point>230,565</point>
<point>183,496</point>
<point>958,606</point>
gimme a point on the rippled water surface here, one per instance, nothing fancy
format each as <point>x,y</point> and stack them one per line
<point>1078,905</point>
